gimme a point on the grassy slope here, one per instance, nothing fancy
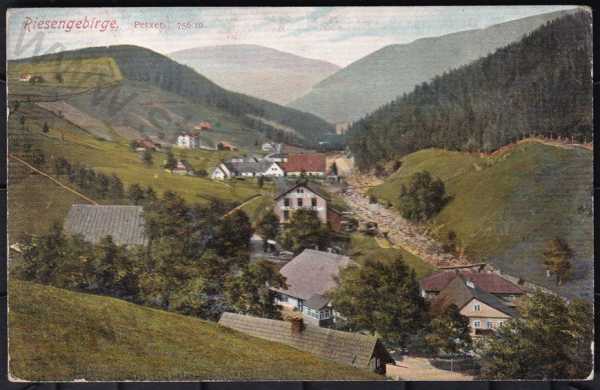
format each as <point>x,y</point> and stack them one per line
<point>364,247</point>
<point>46,202</point>
<point>36,202</point>
<point>505,208</point>
<point>116,157</point>
<point>57,334</point>
<point>139,105</point>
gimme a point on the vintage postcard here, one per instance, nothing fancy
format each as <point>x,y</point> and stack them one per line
<point>300,193</point>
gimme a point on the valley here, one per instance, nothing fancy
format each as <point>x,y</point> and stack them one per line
<point>268,216</point>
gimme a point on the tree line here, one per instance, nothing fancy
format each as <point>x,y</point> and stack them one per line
<point>539,85</point>
<point>195,263</point>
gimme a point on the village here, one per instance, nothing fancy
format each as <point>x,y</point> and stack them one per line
<point>239,212</point>
<point>311,181</point>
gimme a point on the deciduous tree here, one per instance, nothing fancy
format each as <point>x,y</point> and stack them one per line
<point>381,297</point>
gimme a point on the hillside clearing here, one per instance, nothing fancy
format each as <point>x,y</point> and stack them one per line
<point>505,208</point>
<point>98,338</point>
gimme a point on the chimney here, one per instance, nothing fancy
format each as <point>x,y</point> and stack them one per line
<point>297,325</point>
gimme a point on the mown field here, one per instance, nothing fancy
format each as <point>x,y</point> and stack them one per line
<point>81,73</point>
<point>505,208</point>
<point>363,247</point>
<point>99,338</point>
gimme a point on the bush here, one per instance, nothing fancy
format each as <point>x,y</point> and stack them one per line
<point>423,198</point>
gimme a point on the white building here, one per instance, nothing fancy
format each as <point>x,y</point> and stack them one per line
<point>188,141</point>
<point>271,147</point>
<point>309,277</point>
<point>221,172</point>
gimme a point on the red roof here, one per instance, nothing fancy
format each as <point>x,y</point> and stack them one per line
<point>307,162</point>
<point>487,281</point>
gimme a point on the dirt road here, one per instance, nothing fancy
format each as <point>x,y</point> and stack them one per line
<point>399,231</point>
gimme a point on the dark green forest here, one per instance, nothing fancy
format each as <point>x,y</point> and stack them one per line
<point>140,64</point>
<point>539,85</point>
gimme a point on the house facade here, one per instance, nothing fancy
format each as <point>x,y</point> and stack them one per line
<point>485,311</point>
<point>271,147</point>
<point>221,172</point>
<point>188,141</point>
<point>300,196</point>
<point>309,277</point>
<point>246,167</point>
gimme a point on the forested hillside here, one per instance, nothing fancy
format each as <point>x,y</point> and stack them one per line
<point>541,84</point>
<point>143,65</point>
<point>380,77</point>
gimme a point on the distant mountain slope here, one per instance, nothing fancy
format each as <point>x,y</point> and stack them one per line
<point>504,208</point>
<point>258,71</point>
<point>541,84</point>
<point>378,78</point>
<point>149,69</point>
<point>60,335</point>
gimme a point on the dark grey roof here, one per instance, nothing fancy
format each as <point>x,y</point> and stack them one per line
<point>253,167</point>
<point>343,347</point>
<point>283,187</point>
<point>312,272</point>
<point>124,223</point>
<point>316,302</point>
<point>459,293</point>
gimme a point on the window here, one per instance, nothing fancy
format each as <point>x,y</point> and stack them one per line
<point>286,215</point>
<point>286,202</point>
<point>299,202</point>
<point>313,202</point>
<point>300,190</point>
<point>477,324</point>
<point>477,307</point>
<point>283,298</point>
<point>490,325</point>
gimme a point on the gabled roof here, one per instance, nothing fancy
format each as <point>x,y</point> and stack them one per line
<point>94,222</point>
<point>283,188</point>
<point>343,347</point>
<point>312,273</point>
<point>317,302</point>
<point>459,293</point>
<point>253,167</point>
<point>487,281</point>
<point>307,162</point>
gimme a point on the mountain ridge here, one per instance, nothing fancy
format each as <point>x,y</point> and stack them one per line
<point>143,65</point>
<point>256,70</point>
<point>387,73</point>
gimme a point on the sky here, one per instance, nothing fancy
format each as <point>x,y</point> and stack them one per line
<point>340,35</point>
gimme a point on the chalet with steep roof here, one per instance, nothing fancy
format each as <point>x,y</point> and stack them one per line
<point>489,282</point>
<point>485,311</point>
<point>309,276</point>
<point>353,349</point>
